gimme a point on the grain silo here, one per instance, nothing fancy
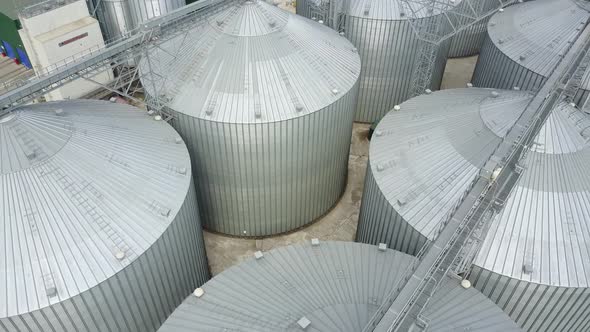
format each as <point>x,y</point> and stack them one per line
<point>265,101</point>
<point>118,17</point>
<point>468,41</point>
<point>526,41</point>
<point>323,286</point>
<point>390,51</point>
<point>100,227</point>
<point>328,12</point>
<point>534,261</point>
<point>423,159</point>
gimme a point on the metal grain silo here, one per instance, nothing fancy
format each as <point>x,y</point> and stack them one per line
<point>389,51</point>
<point>328,12</point>
<point>423,159</point>
<point>265,101</point>
<point>118,17</point>
<point>468,41</point>
<point>325,286</point>
<point>114,17</point>
<point>535,259</point>
<point>100,226</point>
<point>525,42</point>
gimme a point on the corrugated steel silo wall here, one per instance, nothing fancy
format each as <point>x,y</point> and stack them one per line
<point>143,10</point>
<point>536,307</point>
<point>388,50</point>
<point>380,223</point>
<point>581,97</point>
<point>114,17</point>
<point>141,296</point>
<point>495,70</point>
<point>331,14</point>
<point>468,42</point>
<point>269,178</point>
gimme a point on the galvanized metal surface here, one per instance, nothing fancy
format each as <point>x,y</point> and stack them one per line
<point>97,207</point>
<point>265,100</point>
<point>329,12</point>
<point>534,262</point>
<point>335,286</point>
<point>423,158</point>
<point>115,18</point>
<point>469,41</point>
<point>118,17</point>
<point>389,51</point>
<point>525,42</point>
<point>454,308</point>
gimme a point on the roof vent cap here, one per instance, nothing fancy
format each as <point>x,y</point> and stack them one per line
<point>120,255</point>
<point>199,292</point>
<point>465,283</point>
<point>303,322</point>
<point>51,291</point>
<point>527,268</point>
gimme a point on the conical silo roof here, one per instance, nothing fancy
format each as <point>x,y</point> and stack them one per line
<point>327,286</point>
<point>423,158</point>
<point>454,308</point>
<point>541,235</point>
<point>526,41</point>
<point>89,190</point>
<point>536,34</point>
<point>252,62</point>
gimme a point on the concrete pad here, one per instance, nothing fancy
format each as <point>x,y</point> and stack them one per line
<point>458,72</point>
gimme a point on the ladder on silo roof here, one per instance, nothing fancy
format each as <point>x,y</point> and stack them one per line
<point>433,31</point>
<point>403,307</point>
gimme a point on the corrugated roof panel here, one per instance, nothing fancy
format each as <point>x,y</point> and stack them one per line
<point>253,63</point>
<point>425,156</point>
<point>536,34</point>
<point>86,187</point>
<point>541,235</point>
<point>330,286</point>
<point>454,308</point>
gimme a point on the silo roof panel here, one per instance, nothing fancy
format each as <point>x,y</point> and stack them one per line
<point>253,63</point>
<point>425,156</point>
<point>541,234</point>
<point>537,34</point>
<point>85,188</point>
<point>337,286</point>
<point>453,308</point>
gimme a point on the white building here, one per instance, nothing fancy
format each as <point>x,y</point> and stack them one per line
<point>57,31</point>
